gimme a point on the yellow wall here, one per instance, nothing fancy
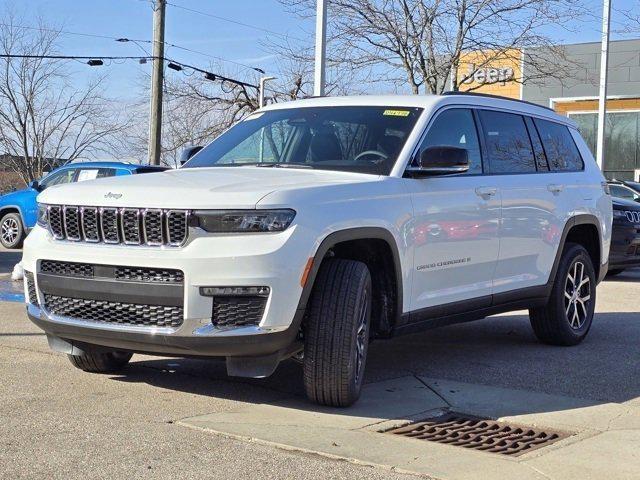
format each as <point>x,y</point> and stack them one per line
<point>487,61</point>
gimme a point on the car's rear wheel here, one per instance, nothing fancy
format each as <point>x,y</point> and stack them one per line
<point>11,231</point>
<point>567,317</point>
<point>101,362</point>
<point>336,333</point>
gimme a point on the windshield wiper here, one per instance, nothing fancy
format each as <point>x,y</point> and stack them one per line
<point>281,165</point>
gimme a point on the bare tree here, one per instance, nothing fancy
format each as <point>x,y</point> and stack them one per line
<point>43,113</point>
<point>424,43</point>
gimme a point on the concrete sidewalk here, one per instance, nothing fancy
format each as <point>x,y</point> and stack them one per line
<point>604,439</point>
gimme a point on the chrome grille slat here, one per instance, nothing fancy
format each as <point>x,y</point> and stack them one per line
<point>112,225</point>
<point>71,216</point>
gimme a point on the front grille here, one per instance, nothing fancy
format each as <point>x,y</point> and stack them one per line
<point>479,434</point>
<point>114,313</point>
<point>31,288</point>
<point>66,269</point>
<point>154,275</point>
<point>237,311</point>
<point>131,226</point>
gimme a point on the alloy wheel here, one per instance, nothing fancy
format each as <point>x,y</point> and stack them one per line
<point>10,231</point>
<point>577,295</point>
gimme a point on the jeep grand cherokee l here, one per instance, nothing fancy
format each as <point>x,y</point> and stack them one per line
<point>311,227</point>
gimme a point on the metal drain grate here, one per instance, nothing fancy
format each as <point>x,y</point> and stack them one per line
<point>479,434</point>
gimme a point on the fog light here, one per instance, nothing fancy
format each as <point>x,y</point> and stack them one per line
<point>234,291</point>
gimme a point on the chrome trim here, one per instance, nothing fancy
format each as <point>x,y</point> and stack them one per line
<point>104,238</point>
<point>65,223</point>
<point>185,215</point>
<point>124,236</point>
<point>200,327</point>
<point>59,208</point>
<point>84,234</point>
<point>144,226</point>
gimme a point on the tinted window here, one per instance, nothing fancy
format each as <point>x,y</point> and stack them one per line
<point>58,178</point>
<point>363,139</point>
<point>623,192</point>
<point>455,128</point>
<point>538,151</point>
<point>562,152</point>
<point>507,141</point>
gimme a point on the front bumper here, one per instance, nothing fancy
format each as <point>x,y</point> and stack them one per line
<point>240,342</point>
<point>276,261</point>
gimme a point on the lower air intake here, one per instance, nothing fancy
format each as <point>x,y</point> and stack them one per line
<point>240,311</point>
<point>114,312</point>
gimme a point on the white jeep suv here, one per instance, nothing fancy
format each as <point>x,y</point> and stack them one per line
<point>312,227</point>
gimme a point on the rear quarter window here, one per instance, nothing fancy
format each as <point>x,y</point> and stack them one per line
<point>560,148</point>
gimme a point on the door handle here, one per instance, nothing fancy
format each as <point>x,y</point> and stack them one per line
<point>555,188</point>
<point>486,191</point>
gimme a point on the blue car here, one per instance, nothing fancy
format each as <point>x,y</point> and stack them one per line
<point>18,209</point>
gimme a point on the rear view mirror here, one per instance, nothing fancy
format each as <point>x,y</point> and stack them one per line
<point>189,152</point>
<point>441,160</point>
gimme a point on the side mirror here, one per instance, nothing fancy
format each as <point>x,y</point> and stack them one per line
<point>35,185</point>
<point>189,152</point>
<point>441,160</point>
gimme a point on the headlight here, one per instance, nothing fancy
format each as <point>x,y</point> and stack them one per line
<point>235,221</point>
<point>43,218</point>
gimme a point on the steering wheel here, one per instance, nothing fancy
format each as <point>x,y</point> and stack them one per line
<point>380,154</point>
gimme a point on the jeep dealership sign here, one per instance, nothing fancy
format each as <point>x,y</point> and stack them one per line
<point>488,75</point>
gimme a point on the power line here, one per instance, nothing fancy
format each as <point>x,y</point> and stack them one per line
<point>173,64</point>
<point>135,41</point>
<point>237,22</point>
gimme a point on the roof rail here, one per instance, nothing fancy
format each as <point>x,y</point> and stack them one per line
<point>499,97</point>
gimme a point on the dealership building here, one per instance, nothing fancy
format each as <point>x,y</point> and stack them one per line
<point>573,91</point>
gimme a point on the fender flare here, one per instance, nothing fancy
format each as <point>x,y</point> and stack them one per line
<point>357,233</point>
<point>582,219</point>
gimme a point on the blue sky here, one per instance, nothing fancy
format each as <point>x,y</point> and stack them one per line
<point>133,19</point>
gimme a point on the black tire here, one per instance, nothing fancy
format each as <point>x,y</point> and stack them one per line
<point>337,322</point>
<point>565,320</point>
<point>615,271</point>
<point>11,231</point>
<point>101,362</point>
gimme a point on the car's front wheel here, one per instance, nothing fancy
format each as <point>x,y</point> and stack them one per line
<point>11,231</point>
<point>567,317</point>
<point>101,362</point>
<point>336,333</point>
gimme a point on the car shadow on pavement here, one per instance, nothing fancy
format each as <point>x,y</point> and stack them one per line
<point>497,352</point>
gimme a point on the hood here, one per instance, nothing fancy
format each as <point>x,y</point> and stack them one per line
<point>16,197</point>
<point>622,204</point>
<point>216,187</point>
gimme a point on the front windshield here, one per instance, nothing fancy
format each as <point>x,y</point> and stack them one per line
<point>349,138</point>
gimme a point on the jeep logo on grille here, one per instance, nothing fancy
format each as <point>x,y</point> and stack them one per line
<point>115,196</point>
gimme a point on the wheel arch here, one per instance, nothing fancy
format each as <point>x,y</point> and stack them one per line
<point>13,209</point>
<point>337,243</point>
<point>585,230</point>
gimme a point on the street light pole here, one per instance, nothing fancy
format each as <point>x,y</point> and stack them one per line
<point>155,114</point>
<point>263,80</point>
<point>321,48</point>
<point>604,70</point>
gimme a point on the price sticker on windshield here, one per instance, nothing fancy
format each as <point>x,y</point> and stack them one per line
<point>396,113</point>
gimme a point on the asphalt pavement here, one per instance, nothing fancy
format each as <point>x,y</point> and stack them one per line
<point>57,421</point>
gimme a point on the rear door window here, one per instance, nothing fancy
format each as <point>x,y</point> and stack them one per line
<point>507,143</point>
<point>562,153</point>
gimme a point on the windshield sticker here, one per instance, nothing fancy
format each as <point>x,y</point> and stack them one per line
<point>397,113</point>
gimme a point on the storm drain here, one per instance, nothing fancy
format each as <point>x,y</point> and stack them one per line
<point>479,434</point>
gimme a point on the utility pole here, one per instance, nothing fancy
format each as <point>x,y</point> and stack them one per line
<point>321,48</point>
<point>157,80</point>
<point>604,70</point>
<point>263,80</point>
